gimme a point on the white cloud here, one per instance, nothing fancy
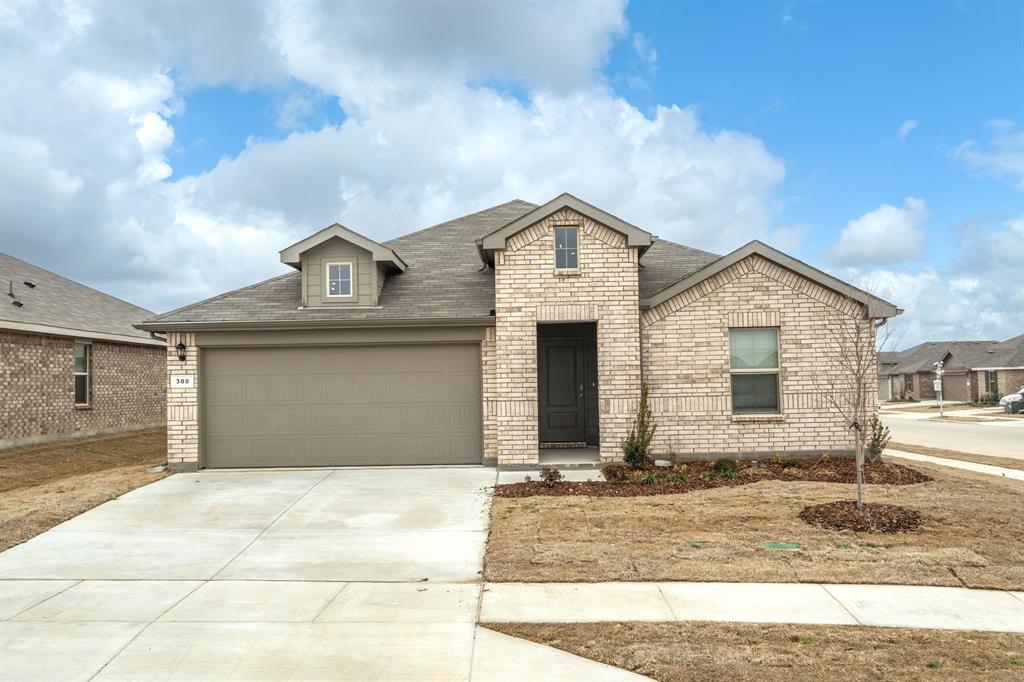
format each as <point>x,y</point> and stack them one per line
<point>1002,158</point>
<point>976,297</point>
<point>905,129</point>
<point>885,235</point>
<point>428,136</point>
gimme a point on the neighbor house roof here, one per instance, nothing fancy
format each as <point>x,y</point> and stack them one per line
<point>445,282</point>
<point>875,306</point>
<point>966,354</point>
<point>51,304</point>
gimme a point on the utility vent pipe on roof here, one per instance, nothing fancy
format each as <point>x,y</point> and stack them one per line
<point>30,285</point>
<point>17,303</point>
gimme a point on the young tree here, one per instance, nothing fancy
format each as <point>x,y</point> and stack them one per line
<point>848,382</point>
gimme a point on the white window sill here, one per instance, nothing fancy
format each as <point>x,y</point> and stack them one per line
<point>755,417</point>
<point>567,272</point>
<point>82,407</point>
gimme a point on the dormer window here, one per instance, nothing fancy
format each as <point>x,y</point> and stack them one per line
<point>339,280</point>
<point>566,248</point>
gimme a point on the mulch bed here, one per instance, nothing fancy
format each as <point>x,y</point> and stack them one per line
<point>872,517</point>
<point>700,477</point>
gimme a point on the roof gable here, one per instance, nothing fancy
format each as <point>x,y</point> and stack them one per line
<point>875,306</point>
<point>292,255</point>
<point>634,235</point>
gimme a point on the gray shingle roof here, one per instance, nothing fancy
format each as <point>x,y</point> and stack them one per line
<point>968,354</point>
<point>63,306</point>
<point>444,280</point>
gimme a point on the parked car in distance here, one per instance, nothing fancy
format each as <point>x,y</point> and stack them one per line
<point>1013,402</point>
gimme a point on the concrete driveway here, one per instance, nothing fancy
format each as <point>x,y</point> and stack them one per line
<point>369,574</point>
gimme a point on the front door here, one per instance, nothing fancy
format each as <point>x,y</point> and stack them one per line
<point>562,368</point>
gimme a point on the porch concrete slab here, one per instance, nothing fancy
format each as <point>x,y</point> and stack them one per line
<point>128,555</point>
<point>19,595</point>
<point>575,475</point>
<point>573,603</point>
<point>940,608</point>
<point>60,651</point>
<point>755,603</point>
<point>252,600</point>
<point>360,556</point>
<point>497,657</point>
<point>296,651</point>
<point>324,508</point>
<point>404,603</point>
<point>112,600</point>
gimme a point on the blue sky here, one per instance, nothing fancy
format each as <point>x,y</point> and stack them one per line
<point>168,150</point>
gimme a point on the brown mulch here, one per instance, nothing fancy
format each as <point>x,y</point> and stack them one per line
<point>872,517</point>
<point>700,476</point>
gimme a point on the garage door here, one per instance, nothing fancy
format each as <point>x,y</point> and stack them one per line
<point>341,405</point>
<point>955,387</point>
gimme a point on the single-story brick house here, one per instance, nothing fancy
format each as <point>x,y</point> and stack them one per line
<point>71,361</point>
<point>970,370</point>
<point>502,335</point>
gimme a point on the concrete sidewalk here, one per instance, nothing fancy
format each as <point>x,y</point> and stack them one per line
<point>957,464</point>
<point>939,608</point>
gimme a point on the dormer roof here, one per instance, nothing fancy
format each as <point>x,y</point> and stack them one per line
<point>292,255</point>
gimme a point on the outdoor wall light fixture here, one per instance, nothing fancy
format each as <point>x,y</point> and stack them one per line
<point>181,351</point>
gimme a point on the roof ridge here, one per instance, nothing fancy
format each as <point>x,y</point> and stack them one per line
<point>77,283</point>
<point>463,217</point>
<point>218,296</point>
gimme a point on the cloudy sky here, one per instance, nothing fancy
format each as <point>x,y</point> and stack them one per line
<point>165,152</point>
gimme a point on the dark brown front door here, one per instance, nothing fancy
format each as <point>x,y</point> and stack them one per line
<point>567,385</point>
<point>562,404</point>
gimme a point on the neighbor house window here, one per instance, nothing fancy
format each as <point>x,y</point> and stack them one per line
<point>754,369</point>
<point>992,383</point>
<point>566,251</point>
<point>339,279</point>
<point>908,382</point>
<point>82,362</point>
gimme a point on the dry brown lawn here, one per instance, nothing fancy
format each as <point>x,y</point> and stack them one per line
<point>1006,462</point>
<point>972,535</point>
<point>899,406</point>
<point>44,485</point>
<point>674,652</point>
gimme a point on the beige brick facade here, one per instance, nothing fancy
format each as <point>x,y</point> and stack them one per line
<point>183,404</point>
<point>37,389</point>
<point>528,291</point>
<point>686,363</point>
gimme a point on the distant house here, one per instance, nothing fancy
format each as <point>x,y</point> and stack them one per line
<point>971,369</point>
<point>71,363</point>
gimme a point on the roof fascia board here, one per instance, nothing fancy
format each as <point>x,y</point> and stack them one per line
<point>318,324</point>
<point>634,235</point>
<point>875,307</point>
<point>30,328</point>
<point>291,255</point>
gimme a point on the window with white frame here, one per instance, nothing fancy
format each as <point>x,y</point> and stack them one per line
<point>339,280</point>
<point>82,368</point>
<point>754,370</point>
<point>566,248</point>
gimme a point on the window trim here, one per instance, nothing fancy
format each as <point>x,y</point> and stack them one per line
<point>991,377</point>
<point>87,348</point>
<point>351,280</point>
<point>554,244</point>
<point>908,383</point>
<point>777,371</point>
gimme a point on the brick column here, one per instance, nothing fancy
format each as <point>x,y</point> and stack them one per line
<point>182,405</point>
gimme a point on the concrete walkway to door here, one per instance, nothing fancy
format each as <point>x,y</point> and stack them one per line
<point>286,574</point>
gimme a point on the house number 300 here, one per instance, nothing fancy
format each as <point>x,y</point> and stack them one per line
<point>181,381</point>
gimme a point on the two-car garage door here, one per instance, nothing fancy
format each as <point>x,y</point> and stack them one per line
<point>341,405</point>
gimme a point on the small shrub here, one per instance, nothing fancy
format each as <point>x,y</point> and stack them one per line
<point>988,399</point>
<point>878,440</point>
<point>724,465</point>
<point>682,469</point>
<point>550,476</point>
<point>638,440</point>
<point>650,478</point>
<point>792,464</point>
<point>615,472</point>
<point>528,478</point>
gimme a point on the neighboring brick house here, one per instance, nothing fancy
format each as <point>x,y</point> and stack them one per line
<point>71,363</point>
<point>510,336</point>
<point>970,369</point>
